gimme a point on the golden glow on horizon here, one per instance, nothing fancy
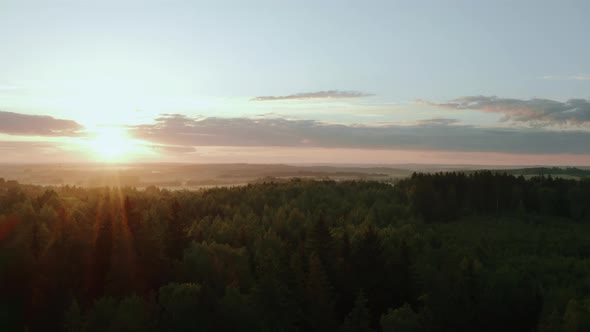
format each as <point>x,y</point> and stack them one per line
<point>112,144</point>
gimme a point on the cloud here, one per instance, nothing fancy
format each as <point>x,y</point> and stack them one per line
<point>20,145</point>
<point>173,149</point>
<point>330,94</point>
<point>432,134</point>
<point>437,122</point>
<point>31,151</point>
<point>576,77</point>
<point>534,111</point>
<point>37,125</point>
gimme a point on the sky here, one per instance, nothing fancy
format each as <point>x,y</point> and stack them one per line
<point>388,82</point>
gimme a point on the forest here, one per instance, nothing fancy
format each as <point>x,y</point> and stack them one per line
<point>482,251</point>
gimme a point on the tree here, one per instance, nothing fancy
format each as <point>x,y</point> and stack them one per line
<point>402,319</point>
<point>177,233</point>
<point>102,314</point>
<point>576,317</point>
<point>319,297</point>
<point>180,307</point>
<point>321,242</point>
<point>358,319</point>
<point>236,311</point>
<point>74,321</point>
<point>271,295</point>
<point>551,323</point>
<point>132,315</point>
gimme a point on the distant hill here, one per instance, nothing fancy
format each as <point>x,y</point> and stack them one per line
<point>196,176</point>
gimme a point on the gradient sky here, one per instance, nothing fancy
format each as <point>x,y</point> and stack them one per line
<point>478,82</point>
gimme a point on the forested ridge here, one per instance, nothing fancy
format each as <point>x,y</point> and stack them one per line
<point>483,251</point>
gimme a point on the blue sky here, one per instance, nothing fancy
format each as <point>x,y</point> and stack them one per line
<point>126,63</point>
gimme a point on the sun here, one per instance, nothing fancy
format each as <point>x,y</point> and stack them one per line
<point>112,144</point>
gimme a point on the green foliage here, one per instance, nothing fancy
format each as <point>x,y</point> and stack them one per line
<point>133,315</point>
<point>435,252</point>
<point>102,314</point>
<point>319,296</point>
<point>180,306</point>
<point>74,321</point>
<point>402,319</point>
<point>216,265</point>
<point>358,320</point>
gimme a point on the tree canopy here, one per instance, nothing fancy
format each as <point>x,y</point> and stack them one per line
<point>433,252</point>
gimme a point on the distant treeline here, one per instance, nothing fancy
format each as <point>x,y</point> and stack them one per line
<point>434,252</point>
<point>559,171</point>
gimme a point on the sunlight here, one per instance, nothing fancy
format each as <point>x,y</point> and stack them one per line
<point>112,144</point>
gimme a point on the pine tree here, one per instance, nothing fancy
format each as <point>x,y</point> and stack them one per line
<point>358,320</point>
<point>402,319</point>
<point>177,235</point>
<point>319,297</point>
<point>321,242</point>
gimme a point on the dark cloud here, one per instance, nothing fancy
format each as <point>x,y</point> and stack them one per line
<point>437,134</point>
<point>534,111</point>
<point>36,125</point>
<point>330,94</point>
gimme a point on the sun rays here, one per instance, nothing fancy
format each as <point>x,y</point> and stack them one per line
<point>113,144</point>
